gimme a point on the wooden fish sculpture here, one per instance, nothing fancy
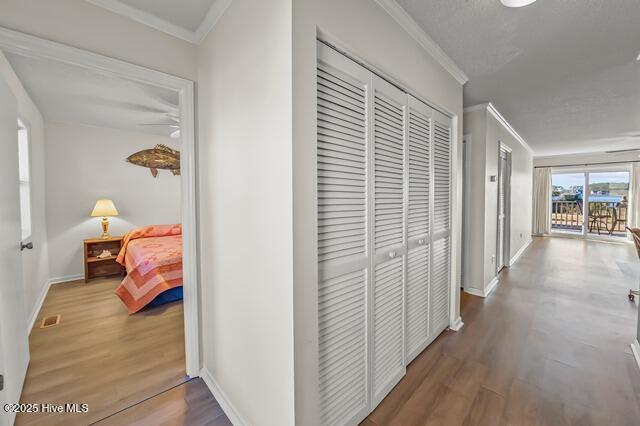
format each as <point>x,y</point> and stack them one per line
<point>158,157</point>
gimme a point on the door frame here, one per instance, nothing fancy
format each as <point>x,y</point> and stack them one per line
<point>586,170</point>
<point>465,172</point>
<point>35,47</point>
<point>506,236</point>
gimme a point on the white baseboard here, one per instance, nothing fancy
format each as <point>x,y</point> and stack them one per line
<point>66,278</point>
<point>487,291</point>
<point>516,256</point>
<point>635,348</point>
<point>457,324</point>
<point>36,308</point>
<point>43,294</point>
<point>226,405</point>
<point>492,286</point>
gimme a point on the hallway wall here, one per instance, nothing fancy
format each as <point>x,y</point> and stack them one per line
<point>488,129</point>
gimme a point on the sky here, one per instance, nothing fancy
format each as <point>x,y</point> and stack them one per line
<point>567,180</point>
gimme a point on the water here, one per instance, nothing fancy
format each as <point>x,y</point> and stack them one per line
<point>599,198</point>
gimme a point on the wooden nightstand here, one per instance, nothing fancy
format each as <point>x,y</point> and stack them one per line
<point>101,267</point>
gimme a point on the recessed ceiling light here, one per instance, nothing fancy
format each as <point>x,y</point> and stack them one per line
<point>517,3</point>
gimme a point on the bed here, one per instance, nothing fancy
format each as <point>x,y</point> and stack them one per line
<point>152,257</point>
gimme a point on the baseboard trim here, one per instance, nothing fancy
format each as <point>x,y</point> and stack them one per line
<point>43,294</point>
<point>38,306</point>
<point>487,291</point>
<point>226,405</point>
<point>516,256</point>
<point>474,291</point>
<point>66,278</point>
<point>635,348</point>
<point>492,286</point>
<point>457,324</point>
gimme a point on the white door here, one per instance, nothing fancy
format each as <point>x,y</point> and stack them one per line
<point>389,248</point>
<point>343,260</point>
<point>440,234</point>
<point>503,195</point>
<point>14,346</point>
<point>417,332</point>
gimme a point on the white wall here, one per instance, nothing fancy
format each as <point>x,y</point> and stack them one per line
<point>35,262</point>
<point>487,134</point>
<point>245,197</point>
<point>521,190</point>
<point>80,24</point>
<point>475,125</point>
<point>371,34</point>
<point>87,163</point>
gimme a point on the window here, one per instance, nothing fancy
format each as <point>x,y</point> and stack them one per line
<point>25,185</point>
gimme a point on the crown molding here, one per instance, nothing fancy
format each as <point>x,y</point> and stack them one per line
<point>145,18</point>
<point>211,19</point>
<point>418,34</point>
<point>496,114</point>
<point>195,37</point>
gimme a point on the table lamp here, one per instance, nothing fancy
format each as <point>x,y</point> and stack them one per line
<point>104,209</point>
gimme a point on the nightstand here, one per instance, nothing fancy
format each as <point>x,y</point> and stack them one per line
<point>95,266</point>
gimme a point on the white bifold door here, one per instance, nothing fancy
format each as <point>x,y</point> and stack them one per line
<point>384,206</point>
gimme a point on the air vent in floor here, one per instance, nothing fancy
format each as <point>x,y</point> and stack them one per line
<point>50,321</point>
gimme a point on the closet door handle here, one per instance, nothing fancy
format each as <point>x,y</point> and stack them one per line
<point>392,254</point>
<point>421,242</point>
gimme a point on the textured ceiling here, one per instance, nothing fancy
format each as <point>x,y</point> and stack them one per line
<point>563,72</point>
<point>186,14</point>
<point>72,94</point>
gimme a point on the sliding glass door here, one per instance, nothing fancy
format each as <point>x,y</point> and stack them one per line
<point>567,207</point>
<point>590,203</point>
<point>608,200</point>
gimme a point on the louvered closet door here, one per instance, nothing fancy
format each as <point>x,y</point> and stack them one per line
<point>417,335</point>
<point>441,226</point>
<point>343,262</point>
<point>387,357</point>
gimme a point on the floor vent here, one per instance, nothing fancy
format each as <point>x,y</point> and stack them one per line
<point>50,321</point>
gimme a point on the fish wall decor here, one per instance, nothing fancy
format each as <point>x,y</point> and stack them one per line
<point>158,157</point>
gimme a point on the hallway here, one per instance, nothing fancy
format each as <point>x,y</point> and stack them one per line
<point>549,346</point>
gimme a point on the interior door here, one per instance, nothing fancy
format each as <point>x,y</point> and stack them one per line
<point>502,210</point>
<point>417,333</point>
<point>14,348</point>
<point>343,260</point>
<point>389,245</point>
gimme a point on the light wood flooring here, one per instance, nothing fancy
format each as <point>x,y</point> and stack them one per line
<point>550,346</point>
<point>99,355</point>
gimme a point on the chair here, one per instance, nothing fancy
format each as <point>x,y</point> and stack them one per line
<point>619,217</point>
<point>635,232</point>
<point>601,215</point>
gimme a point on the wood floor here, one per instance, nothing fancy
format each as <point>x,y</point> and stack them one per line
<point>101,356</point>
<point>549,347</point>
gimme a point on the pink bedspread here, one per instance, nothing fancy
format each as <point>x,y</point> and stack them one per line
<point>152,257</point>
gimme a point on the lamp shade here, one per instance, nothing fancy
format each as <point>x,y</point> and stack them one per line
<point>104,208</point>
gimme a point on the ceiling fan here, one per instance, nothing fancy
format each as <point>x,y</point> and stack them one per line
<point>175,125</point>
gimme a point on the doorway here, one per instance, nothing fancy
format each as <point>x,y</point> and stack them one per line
<point>14,327</point>
<point>590,203</point>
<point>504,208</point>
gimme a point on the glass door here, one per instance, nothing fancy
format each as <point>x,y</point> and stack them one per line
<point>600,211</point>
<point>567,212</point>
<point>608,201</point>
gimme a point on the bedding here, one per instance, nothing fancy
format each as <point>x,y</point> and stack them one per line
<point>152,256</point>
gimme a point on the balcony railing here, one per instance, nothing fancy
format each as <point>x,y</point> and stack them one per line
<point>605,218</point>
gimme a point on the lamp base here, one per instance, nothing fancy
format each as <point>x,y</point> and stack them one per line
<point>105,228</point>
